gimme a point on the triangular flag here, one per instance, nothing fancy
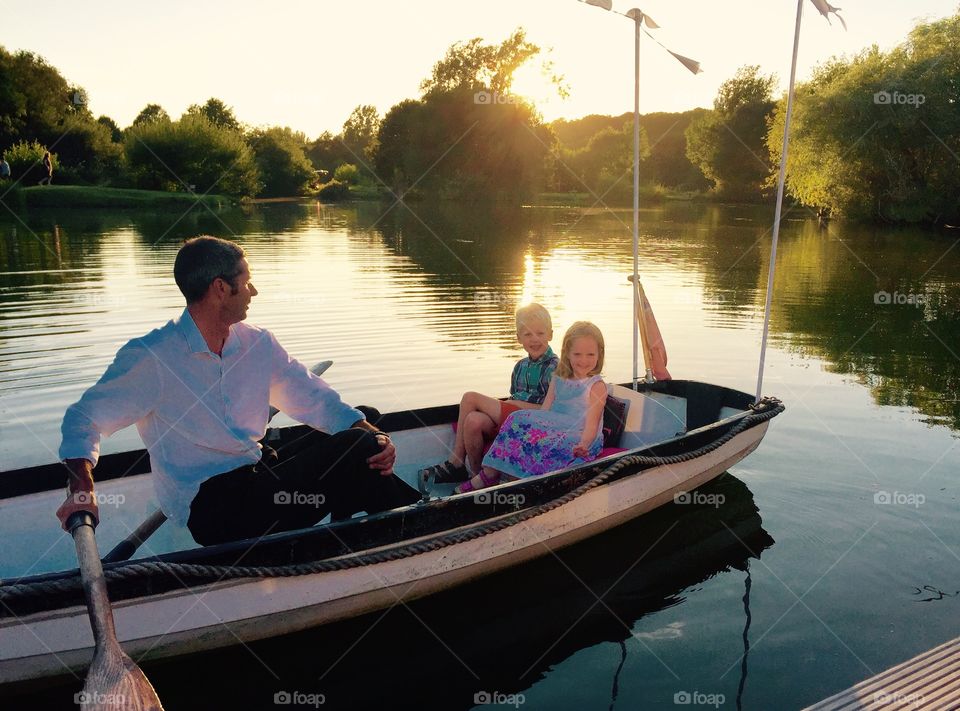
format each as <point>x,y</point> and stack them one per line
<point>605,4</point>
<point>644,18</point>
<point>826,8</point>
<point>692,64</point>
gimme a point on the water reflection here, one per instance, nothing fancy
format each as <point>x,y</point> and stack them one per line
<point>431,289</point>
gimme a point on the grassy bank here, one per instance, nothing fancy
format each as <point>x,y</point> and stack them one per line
<point>648,194</point>
<point>82,196</point>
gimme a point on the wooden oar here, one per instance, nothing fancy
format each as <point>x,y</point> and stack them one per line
<point>129,545</point>
<point>125,549</point>
<point>114,681</point>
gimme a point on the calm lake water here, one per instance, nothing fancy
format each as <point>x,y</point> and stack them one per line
<point>851,501</point>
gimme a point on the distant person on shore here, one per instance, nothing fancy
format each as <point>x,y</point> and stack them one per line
<point>481,416</point>
<point>48,168</point>
<point>4,168</point>
<point>199,390</point>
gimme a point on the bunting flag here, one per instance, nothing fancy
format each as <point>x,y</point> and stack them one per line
<point>826,8</point>
<point>692,64</point>
<point>644,18</point>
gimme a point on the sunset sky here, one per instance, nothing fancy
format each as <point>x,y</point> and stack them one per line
<point>308,64</point>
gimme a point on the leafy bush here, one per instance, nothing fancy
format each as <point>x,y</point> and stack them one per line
<point>191,152</point>
<point>26,162</point>
<point>334,191</point>
<point>347,173</point>
<point>284,168</point>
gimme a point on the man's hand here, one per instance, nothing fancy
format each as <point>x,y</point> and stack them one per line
<point>387,456</point>
<point>80,495</point>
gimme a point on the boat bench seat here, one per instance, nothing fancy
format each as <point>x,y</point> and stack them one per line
<point>651,417</point>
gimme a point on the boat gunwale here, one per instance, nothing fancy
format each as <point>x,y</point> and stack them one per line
<point>35,479</point>
<point>543,489</point>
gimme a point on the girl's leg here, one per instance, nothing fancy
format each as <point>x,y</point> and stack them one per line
<point>486,477</point>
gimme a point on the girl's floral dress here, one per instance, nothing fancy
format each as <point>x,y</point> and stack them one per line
<point>532,442</point>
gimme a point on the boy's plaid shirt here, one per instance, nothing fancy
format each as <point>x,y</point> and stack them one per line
<point>531,378</point>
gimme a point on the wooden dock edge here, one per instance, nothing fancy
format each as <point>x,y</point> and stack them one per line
<point>928,681</point>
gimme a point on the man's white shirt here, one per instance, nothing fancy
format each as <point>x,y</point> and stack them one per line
<point>199,414</point>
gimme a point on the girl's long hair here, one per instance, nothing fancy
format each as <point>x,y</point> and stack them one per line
<point>579,330</point>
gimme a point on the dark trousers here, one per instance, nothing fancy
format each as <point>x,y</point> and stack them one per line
<point>296,487</point>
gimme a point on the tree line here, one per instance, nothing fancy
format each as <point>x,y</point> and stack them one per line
<point>874,136</point>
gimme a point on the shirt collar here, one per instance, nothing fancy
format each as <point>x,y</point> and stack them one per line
<point>547,355</point>
<point>195,340</point>
<point>188,328</point>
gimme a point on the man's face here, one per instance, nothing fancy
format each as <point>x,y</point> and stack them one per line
<point>236,304</point>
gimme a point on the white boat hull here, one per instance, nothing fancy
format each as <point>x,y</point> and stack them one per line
<point>185,621</point>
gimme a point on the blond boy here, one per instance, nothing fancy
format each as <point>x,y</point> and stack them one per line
<point>481,415</point>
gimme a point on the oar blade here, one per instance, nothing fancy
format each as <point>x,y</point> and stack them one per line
<point>116,683</point>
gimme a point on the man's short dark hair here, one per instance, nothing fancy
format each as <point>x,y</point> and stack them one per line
<point>203,259</point>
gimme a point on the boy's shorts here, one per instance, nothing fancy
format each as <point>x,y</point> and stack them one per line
<point>507,407</point>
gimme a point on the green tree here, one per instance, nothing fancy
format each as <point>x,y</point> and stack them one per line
<point>457,143</point>
<point>877,136</point>
<point>397,159</point>
<point>347,173</point>
<point>605,164</point>
<point>151,113</point>
<point>35,99</point>
<point>216,112</point>
<point>359,135</point>
<point>191,154</point>
<point>728,144</point>
<point>116,135</point>
<point>87,151</point>
<point>327,151</point>
<point>284,168</point>
<point>477,66</point>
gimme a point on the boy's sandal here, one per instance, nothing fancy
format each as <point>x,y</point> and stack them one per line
<point>445,473</point>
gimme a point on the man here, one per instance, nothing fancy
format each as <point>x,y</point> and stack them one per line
<point>199,390</point>
<point>4,168</point>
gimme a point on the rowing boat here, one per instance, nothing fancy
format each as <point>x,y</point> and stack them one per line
<point>179,599</point>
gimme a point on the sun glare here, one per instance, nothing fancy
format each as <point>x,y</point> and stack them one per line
<point>534,85</point>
